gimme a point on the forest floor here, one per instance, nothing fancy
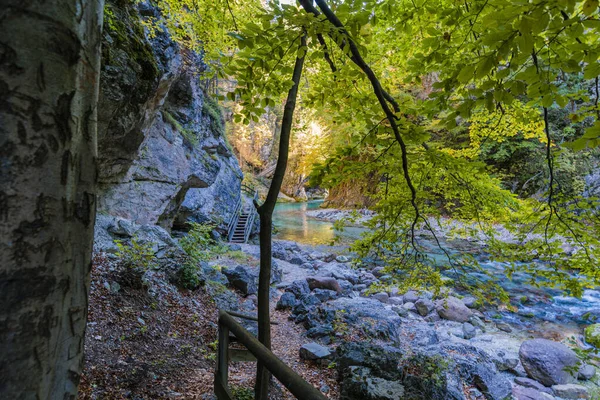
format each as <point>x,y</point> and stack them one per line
<point>138,347</point>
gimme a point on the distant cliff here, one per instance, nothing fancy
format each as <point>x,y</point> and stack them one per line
<point>162,153</point>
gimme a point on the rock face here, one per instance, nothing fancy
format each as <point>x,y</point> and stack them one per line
<point>161,140</point>
<point>546,361</point>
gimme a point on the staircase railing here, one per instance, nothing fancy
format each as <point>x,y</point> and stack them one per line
<point>234,218</point>
<point>251,218</point>
<point>288,378</point>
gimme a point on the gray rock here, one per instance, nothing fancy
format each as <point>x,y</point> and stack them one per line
<point>409,307</point>
<point>299,288</point>
<point>545,361</point>
<point>297,260</point>
<point>411,297</point>
<point>320,282</point>
<point>526,393</point>
<point>530,383</point>
<point>433,317</point>
<point>342,259</point>
<point>571,391</point>
<point>122,227</point>
<point>360,384</point>
<point>586,372</point>
<point>286,301</point>
<point>395,301</point>
<point>469,301</point>
<point>402,312</point>
<point>453,309</point>
<point>469,331</point>
<point>325,294</point>
<point>424,306</point>
<point>381,296</point>
<point>245,279</point>
<point>504,327</point>
<point>314,351</point>
<point>359,287</point>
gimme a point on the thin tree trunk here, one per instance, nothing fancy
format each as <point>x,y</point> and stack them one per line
<point>265,212</point>
<point>49,71</point>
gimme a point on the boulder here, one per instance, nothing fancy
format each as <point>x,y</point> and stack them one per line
<point>411,297</point>
<point>381,296</point>
<point>570,391</point>
<point>546,361</point>
<point>286,301</point>
<point>359,383</point>
<point>526,393</point>
<point>298,288</point>
<point>504,327</point>
<point>470,301</point>
<point>243,279</point>
<point>314,351</point>
<point>325,294</point>
<point>469,331</point>
<point>395,301</point>
<point>592,335</point>
<point>530,383</point>
<point>586,372</point>
<point>320,282</point>
<point>424,306</point>
<point>453,309</point>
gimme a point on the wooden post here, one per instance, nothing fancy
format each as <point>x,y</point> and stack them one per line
<point>221,375</point>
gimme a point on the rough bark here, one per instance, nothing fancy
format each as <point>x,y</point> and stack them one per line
<point>49,66</point>
<point>265,212</point>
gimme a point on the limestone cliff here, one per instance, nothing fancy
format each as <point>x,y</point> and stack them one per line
<point>161,139</point>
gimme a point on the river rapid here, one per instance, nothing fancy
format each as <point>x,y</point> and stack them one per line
<point>543,310</point>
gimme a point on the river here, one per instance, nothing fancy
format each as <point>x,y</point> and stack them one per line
<point>545,309</point>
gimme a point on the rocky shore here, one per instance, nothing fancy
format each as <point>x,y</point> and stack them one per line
<point>384,345</point>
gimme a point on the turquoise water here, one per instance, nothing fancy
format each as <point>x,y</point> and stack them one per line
<point>292,223</point>
<point>547,305</point>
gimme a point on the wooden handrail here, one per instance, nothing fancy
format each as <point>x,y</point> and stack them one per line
<point>291,380</point>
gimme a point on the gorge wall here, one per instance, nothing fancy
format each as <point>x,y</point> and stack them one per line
<point>162,153</point>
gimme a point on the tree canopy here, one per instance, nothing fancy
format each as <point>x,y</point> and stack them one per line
<point>470,118</point>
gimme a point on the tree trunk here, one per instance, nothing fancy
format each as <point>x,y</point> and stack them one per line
<point>265,212</point>
<point>49,71</point>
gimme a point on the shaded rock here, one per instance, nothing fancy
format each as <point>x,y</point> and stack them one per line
<point>286,301</point>
<point>586,372</point>
<point>526,393</point>
<point>453,309</point>
<point>409,307</point>
<point>571,391</point>
<point>530,383</point>
<point>242,278</point>
<point>395,301</point>
<point>320,331</point>
<point>469,331</point>
<point>504,327</point>
<point>469,301</point>
<point>298,288</point>
<point>342,259</point>
<point>325,294</point>
<point>359,383</point>
<point>433,317</point>
<point>424,306</point>
<point>545,361</point>
<point>320,282</point>
<point>314,351</point>
<point>411,297</point>
<point>381,296</point>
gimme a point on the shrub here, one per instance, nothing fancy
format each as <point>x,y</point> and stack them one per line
<point>136,254</point>
<point>198,242</point>
<point>188,276</point>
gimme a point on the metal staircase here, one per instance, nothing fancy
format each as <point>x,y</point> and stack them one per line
<point>244,215</point>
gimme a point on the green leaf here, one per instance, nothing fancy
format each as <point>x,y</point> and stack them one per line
<point>466,73</point>
<point>591,70</point>
<point>589,7</point>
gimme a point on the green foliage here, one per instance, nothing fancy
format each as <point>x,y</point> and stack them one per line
<point>135,254</point>
<point>241,392</point>
<point>188,275</point>
<point>198,242</point>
